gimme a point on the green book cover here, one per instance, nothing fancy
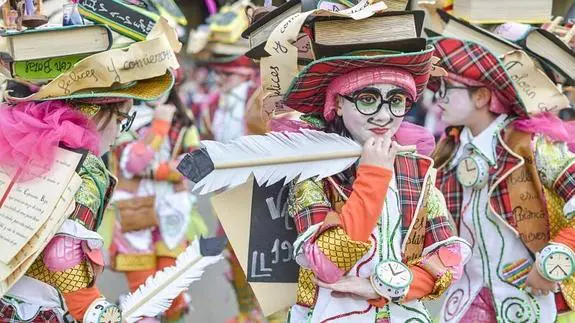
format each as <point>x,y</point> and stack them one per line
<point>45,68</point>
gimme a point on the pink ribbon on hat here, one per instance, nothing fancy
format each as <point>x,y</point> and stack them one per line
<point>358,79</point>
<point>497,104</point>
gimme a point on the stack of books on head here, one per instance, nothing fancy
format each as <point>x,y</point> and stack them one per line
<point>38,55</point>
<point>499,11</point>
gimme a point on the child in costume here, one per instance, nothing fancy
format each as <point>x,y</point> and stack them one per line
<point>60,284</point>
<point>374,240</point>
<point>147,172</point>
<point>507,177</point>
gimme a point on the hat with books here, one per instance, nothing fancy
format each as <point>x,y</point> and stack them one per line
<point>474,65</point>
<point>382,47</point>
<point>79,63</point>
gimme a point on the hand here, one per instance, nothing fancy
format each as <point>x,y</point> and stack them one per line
<point>379,151</point>
<point>350,286</point>
<point>165,112</point>
<point>537,285</point>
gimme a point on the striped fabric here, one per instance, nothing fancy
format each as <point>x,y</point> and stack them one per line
<point>307,91</point>
<point>470,60</point>
<point>516,273</point>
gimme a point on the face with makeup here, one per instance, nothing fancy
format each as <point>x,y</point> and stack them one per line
<point>110,121</point>
<point>457,106</point>
<point>375,110</point>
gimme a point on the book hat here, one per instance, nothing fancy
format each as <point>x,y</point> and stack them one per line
<point>474,65</point>
<point>343,64</point>
<point>141,71</point>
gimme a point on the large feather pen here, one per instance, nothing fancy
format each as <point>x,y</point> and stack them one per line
<point>270,158</point>
<point>156,294</point>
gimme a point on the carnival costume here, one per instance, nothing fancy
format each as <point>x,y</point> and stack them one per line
<point>510,191</point>
<point>366,218</point>
<point>60,284</point>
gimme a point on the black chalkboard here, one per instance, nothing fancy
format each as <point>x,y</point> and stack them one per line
<point>272,233</point>
<point>125,19</point>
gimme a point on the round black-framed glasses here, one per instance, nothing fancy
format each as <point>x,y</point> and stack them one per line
<point>369,101</point>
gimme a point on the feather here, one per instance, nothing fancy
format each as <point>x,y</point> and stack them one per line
<point>274,157</point>
<point>156,294</point>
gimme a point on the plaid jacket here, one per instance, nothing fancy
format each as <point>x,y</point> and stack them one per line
<point>410,173</point>
<point>561,182</point>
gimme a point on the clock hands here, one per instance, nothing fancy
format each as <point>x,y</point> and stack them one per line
<point>558,267</point>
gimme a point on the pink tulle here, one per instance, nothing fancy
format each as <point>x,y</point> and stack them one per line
<point>551,126</point>
<point>31,131</point>
<point>408,133</point>
<point>412,134</point>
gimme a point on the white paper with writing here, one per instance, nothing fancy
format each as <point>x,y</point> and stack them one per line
<point>279,69</point>
<point>537,91</point>
<point>26,206</point>
<point>10,274</point>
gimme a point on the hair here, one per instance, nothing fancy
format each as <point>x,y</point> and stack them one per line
<point>182,115</point>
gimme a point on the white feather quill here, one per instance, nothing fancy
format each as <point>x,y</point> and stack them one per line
<point>156,294</point>
<point>276,156</point>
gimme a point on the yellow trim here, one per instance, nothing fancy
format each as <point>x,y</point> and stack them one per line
<point>163,251</point>
<point>135,262</point>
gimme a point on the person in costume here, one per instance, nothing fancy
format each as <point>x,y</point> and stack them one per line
<point>60,284</point>
<point>507,176</point>
<point>147,172</point>
<point>374,240</point>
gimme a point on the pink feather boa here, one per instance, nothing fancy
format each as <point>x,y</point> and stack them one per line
<point>550,126</point>
<point>31,131</point>
<point>408,133</point>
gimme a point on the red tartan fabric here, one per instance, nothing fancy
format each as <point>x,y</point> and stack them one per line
<point>565,184</point>
<point>8,314</point>
<point>410,171</point>
<point>473,61</point>
<point>307,92</point>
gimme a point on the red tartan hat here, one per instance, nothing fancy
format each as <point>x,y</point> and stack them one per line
<point>473,61</point>
<point>307,91</point>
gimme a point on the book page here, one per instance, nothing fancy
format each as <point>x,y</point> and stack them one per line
<point>28,204</point>
<point>9,274</point>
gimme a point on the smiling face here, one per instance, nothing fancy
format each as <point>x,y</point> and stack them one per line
<point>374,110</point>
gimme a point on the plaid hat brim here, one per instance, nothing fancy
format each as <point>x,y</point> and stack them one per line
<point>473,61</point>
<point>307,91</point>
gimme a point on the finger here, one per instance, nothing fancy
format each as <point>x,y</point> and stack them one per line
<point>528,289</point>
<point>386,144</point>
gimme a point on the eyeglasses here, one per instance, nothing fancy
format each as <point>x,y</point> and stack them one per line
<point>369,101</point>
<point>125,119</point>
<point>444,87</point>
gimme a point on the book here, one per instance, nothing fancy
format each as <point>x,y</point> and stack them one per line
<point>128,20</point>
<point>32,211</point>
<point>56,41</point>
<point>385,27</point>
<point>550,49</point>
<point>458,28</point>
<point>228,24</point>
<point>259,31</point>
<point>501,11</point>
<point>44,69</point>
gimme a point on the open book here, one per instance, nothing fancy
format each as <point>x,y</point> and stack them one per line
<point>32,211</point>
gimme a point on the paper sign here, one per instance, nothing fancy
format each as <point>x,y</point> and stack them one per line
<point>139,61</point>
<point>234,210</point>
<point>535,89</point>
<point>281,66</point>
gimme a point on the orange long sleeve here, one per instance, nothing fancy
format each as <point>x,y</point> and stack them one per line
<point>422,285</point>
<point>361,211</point>
<point>79,301</point>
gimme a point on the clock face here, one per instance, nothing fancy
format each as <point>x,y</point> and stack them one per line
<point>468,172</point>
<point>394,274</point>
<point>558,266</point>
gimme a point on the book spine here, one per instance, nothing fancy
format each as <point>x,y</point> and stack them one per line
<point>126,20</point>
